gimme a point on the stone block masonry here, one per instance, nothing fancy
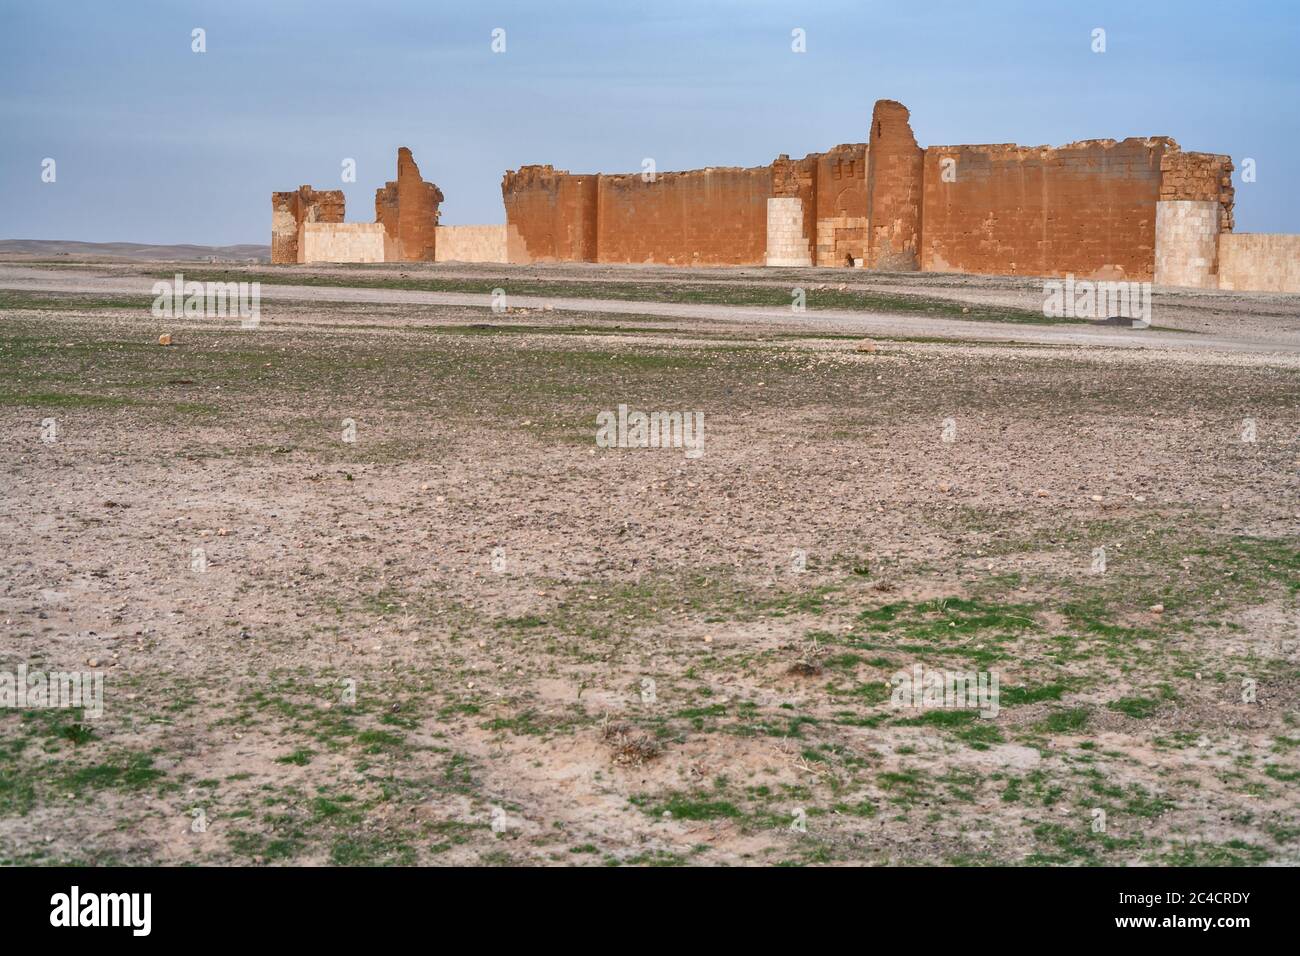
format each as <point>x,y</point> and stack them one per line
<point>786,243</point>
<point>894,190</point>
<point>703,217</point>
<point>341,242</point>
<point>1099,209</point>
<point>471,244</point>
<point>1187,244</point>
<point>1088,208</point>
<point>1260,262</point>
<point>1193,211</point>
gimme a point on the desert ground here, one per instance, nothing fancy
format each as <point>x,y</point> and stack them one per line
<point>458,631</point>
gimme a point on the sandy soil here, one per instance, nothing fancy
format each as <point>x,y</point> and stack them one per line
<point>471,635</point>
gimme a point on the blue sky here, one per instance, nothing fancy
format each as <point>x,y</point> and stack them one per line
<point>155,143</point>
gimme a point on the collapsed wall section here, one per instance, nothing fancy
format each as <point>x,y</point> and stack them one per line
<point>893,190</point>
<point>290,210</point>
<point>408,210</point>
<point>1088,208</point>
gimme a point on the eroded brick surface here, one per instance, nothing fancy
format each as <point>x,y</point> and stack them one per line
<point>289,210</point>
<point>714,216</point>
<point>894,187</point>
<point>408,209</point>
<point>1088,208</point>
<point>1135,209</point>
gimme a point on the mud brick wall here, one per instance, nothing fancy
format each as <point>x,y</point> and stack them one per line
<point>550,215</point>
<point>894,188</point>
<point>702,217</point>
<point>289,210</point>
<point>341,242</point>
<point>1088,208</point>
<point>408,210</point>
<point>1260,262</point>
<point>472,244</point>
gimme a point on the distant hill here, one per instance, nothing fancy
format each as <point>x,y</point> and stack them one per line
<point>46,248</point>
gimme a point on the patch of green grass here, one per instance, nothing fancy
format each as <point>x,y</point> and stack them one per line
<point>127,772</point>
<point>299,758</point>
<point>688,806</point>
<point>1138,708</point>
<point>1066,720</point>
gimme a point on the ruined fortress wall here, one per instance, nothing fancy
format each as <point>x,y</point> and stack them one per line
<point>893,190</point>
<point>408,210</point>
<point>290,210</point>
<point>550,215</point>
<point>341,242</point>
<point>1194,210</point>
<point>1088,208</point>
<point>1260,262</point>
<point>472,244</point>
<point>840,227</point>
<point>701,217</point>
<point>714,216</point>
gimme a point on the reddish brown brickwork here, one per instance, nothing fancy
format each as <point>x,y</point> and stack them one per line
<point>841,227</point>
<point>893,190</point>
<point>1088,208</point>
<point>1198,177</point>
<point>550,215</point>
<point>289,210</point>
<point>715,216</point>
<point>703,217</point>
<point>408,210</point>
<point>1098,208</point>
